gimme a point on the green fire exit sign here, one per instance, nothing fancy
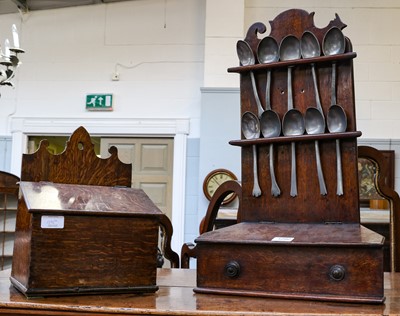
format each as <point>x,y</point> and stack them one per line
<point>102,102</point>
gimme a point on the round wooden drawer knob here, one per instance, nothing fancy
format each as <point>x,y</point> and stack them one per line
<point>337,272</point>
<point>232,269</point>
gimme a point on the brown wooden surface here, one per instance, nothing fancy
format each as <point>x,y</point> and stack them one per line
<point>309,205</point>
<point>176,297</point>
<point>8,194</point>
<point>388,229</point>
<point>108,242</point>
<point>9,183</point>
<point>77,164</point>
<point>76,199</point>
<point>268,265</point>
<point>387,192</point>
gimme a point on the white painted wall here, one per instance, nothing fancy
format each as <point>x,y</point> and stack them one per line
<point>157,47</point>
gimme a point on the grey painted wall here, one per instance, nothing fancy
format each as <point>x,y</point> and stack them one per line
<point>5,154</point>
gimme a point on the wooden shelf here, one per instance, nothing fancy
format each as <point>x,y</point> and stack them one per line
<point>303,61</point>
<point>300,138</point>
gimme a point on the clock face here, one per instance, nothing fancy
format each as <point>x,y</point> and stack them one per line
<point>214,179</point>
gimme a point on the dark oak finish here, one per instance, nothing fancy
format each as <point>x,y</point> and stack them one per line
<point>389,231</point>
<point>77,164</point>
<point>175,297</point>
<point>285,208</point>
<point>293,269</point>
<point>109,241</point>
<point>309,246</point>
<point>8,194</point>
<point>376,157</point>
<point>8,183</point>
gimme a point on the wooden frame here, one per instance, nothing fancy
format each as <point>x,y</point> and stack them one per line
<point>366,175</point>
<point>222,174</point>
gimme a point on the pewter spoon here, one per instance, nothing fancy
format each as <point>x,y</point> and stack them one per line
<point>251,130</point>
<point>293,121</point>
<point>246,58</point>
<point>333,44</point>
<point>267,52</point>
<point>314,117</point>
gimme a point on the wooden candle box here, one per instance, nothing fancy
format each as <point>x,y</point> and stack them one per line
<point>333,262</point>
<point>83,239</point>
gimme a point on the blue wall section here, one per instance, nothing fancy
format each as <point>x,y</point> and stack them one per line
<point>220,123</point>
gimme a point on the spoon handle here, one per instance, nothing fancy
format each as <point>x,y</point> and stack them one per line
<point>268,91</point>
<point>256,186</point>
<point>289,83</point>
<point>253,84</point>
<point>333,89</point>
<point>322,186</point>
<point>275,190</point>
<point>293,180</point>
<point>339,189</point>
<point>317,99</point>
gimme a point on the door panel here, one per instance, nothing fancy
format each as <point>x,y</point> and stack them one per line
<point>152,161</point>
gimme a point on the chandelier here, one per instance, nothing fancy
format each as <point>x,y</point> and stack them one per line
<point>9,59</point>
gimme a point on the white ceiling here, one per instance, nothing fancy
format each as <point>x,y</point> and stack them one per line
<point>14,6</point>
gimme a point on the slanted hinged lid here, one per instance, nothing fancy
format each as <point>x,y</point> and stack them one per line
<point>75,199</point>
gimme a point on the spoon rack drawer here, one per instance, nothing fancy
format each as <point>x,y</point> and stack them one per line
<point>288,238</point>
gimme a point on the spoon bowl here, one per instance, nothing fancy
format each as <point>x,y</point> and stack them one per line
<point>270,124</point>
<point>314,121</point>
<point>250,126</point>
<point>245,53</point>
<point>268,50</point>
<point>337,119</point>
<point>293,123</point>
<point>251,130</point>
<point>334,42</point>
<point>289,48</point>
<point>309,45</point>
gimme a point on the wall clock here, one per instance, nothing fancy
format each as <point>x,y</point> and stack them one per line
<point>214,179</point>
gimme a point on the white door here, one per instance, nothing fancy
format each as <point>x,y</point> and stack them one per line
<point>152,162</point>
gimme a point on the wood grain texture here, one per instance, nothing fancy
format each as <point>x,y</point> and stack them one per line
<point>383,189</point>
<point>105,245</point>
<point>108,243</point>
<point>296,268</point>
<point>176,297</point>
<point>77,164</point>
<point>243,259</point>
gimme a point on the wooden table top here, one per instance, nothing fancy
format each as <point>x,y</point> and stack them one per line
<point>176,297</point>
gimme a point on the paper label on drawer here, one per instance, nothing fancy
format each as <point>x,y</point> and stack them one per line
<point>287,239</point>
<point>48,221</point>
